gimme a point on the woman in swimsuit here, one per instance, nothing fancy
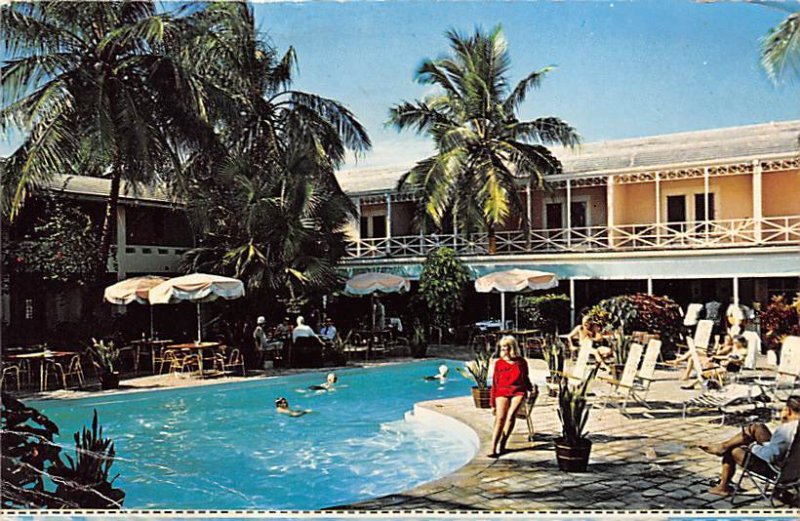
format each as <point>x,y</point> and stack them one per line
<point>510,384</point>
<point>329,385</point>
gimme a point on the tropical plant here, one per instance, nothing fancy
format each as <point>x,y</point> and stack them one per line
<point>477,369</point>
<point>573,408</point>
<point>442,283</point>
<point>100,76</point>
<point>554,352</point>
<point>780,49</point>
<point>104,355</point>
<point>548,313</point>
<point>779,319</point>
<point>620,345</point>
<point>34,475</point>
<point>483,150</point>
<point>62,245</point>
<point>639,312</point>
<point>281,149</point>
<point>418,340</point>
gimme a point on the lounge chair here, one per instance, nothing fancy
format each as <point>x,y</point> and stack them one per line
<point>580,370</point>
<point>646,374</point>
<point>753,348</point>
<point>702,335</point>
<point>788,372</point>
<point>728,396</point>
<point>783,476</point>
<point>703,373</point>
<point>622,390</point>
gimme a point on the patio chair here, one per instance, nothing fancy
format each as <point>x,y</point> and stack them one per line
<point>729,396</point>
<point>57,370</point>
<point>622,389</point>
<point>702,335</point>
<point>646,374</point>
<point>709,371</point>
<point>10,369</point>
<point>157,359</point>
<point>788,371</point>
<point>233,361</point>
<point>188,363</point>
<point>753,348</point>
<point>692,313</point>
<point>768,478</point>
<point>581,367</point>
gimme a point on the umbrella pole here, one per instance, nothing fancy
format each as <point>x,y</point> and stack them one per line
<point>199,329</point>
<point>502,310</point>
<point>151,321</point>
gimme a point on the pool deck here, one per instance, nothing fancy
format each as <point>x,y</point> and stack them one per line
<point>643,460</point>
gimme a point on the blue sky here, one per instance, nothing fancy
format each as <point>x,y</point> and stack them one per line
<point>624,69</point>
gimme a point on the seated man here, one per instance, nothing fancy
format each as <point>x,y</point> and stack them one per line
<point>765,446</point>
<point>302,330</point>
<point>328,332</point>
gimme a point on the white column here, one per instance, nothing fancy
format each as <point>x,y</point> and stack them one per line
<point>569,212</point>
<point>705,193</point>
<point>658,207</point>
<point>121,242</point>
<point>358,226</point>
<point>529,210</point>
<point>502,310</point>
<point>610,219</point>
<point>572,301</point>
<point>388,224</point>
<point>649,285</point>
<point>758,205</point>
<point>735,291</point>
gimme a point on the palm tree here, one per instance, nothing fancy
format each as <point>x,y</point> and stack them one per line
<point>96,73</point>
<point>483,150</point>
<point>270,209</point>
<point>780,49</point>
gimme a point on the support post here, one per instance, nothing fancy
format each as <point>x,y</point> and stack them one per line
<point>706,214</point>
<point>572,301</point>
<point>758,204</point>
<point>658,207</point>
<point>388,224</point>
<point>358,226</point>
<point>502,310</point>
<point>569,213</point>
<point>649,285</point>
<point>529,211</point>
<point>121,242</point>
<point>610,218</point>
<point>735,291</point>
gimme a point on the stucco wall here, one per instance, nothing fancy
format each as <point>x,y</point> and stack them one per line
<point>780,193</point>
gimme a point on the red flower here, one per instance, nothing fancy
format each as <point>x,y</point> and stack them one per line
<point>20,260</point>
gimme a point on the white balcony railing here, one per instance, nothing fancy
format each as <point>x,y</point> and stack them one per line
<point>147,259</point>
<point>770,231</point>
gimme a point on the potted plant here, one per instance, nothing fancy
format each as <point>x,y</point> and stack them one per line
<point>418,341</point>
<point>104,357</point>
<point>477,370</point>
<point>553,350</point>
<point>620,347</point>
<point>573,447</point>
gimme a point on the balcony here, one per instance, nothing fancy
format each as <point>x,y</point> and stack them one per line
<point>732,233</point>
<point>147,259</point>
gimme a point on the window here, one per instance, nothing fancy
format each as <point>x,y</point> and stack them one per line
<point>553,219</point>
<point>578,214</point>
<point>28,309</point>
<point>676,208</point>
<point>700,207</point>
<point>364,227</point>
<point>378,226</point>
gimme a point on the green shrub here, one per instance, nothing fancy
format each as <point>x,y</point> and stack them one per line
<point>640,312</point>
<point>442,283</point>
<point>547,313</point>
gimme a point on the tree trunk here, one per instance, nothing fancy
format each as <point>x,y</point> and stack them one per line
<point>492,239</point>
<point>109,222</point>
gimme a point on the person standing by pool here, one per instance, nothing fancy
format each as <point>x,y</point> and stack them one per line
<point>260,339</point>
<point>510,384</point>
<point>282,406</point>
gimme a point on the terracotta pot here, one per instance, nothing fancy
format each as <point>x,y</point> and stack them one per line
<point>109,381</point>
<point>573,458</point>
<point>482,398</point>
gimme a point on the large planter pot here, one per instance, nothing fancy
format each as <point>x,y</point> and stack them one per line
<point>109,381</point>
<point>573,458</point>
<point>482,398</point>
<point>552,387</point>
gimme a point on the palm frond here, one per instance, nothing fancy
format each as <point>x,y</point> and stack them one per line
<point>780,49</point>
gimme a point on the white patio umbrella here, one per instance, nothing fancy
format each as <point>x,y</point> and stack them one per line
<point>197,288</point>
<point>375,282</point>
<point>514,281</point>
<point>136,289</point>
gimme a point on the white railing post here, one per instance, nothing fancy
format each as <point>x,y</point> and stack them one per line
<point>358,227</point>
<point>610,218</point>
<point>388,224</point>
<point>569,213</point>
<point>571,301</point>
<point>707,224</point>
<point>758,204</point>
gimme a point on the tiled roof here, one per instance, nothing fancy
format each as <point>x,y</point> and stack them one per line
<point>646,153</point>
<point>101,187</point>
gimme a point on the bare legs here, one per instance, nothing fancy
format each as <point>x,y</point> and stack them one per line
<point>504,418</point>
<point>733,452</point>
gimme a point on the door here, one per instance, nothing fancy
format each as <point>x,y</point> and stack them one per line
<point>578,214</point>
<point>676,212</point>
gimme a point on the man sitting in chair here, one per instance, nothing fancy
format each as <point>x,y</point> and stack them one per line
<point>767,447</point>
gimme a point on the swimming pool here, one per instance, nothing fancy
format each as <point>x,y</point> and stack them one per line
<point>224,446</point>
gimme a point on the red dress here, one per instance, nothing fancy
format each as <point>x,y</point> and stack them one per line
<point>510,378</point>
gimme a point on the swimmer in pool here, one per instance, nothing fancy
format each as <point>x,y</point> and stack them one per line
<point>329,385</point>
<point>442,376</point>
<point>282,406</point>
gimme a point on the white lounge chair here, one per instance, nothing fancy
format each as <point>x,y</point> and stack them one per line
<point>646,374</point>
<point>580,370</point>
<point>753,347</point>
<point>622,390</point>
<point>728,396</point>
<point>788,372</point>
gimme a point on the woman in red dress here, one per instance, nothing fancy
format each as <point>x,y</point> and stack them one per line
<point>510,384</point>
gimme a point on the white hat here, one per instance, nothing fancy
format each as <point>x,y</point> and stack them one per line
<point>261,320</point>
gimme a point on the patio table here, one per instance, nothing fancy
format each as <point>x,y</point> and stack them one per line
<point>198,348</point>
<point>41,357</point>
<point>154,345</point>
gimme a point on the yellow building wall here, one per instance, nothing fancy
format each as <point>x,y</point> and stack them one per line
<point>780,193</point>
<point>634,203</point>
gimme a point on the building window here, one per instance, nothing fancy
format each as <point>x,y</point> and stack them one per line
<point>379,226</point>
<point>553,219</point>
<point>700,207</point>
<point>28,309</point>
<point>578,214</point>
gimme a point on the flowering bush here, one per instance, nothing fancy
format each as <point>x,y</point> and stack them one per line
<point>639,312</point>
<point>779,320</point>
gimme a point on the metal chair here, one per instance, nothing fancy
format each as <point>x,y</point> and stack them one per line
<point>10,369</point>
<point>234,360</point>
<point>57,370</point>
<point>768,478</point>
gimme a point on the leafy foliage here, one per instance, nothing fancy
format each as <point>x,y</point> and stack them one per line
<point>573,408</point>
<point>442,284</point>
<point>554,352</point>
<point>620,346</point>
<point>547,313</point>
<point>35,476</point>
<point>104,355</point>
<point>639,312</point>
<point>780,319</point>
<point>482,148</point>
<point>780,49</point>
<point>62,246</point>
<point>477,369</point>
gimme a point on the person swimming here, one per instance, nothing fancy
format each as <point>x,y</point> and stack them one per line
<point>329,385</point>
<point>442,376</point>
<point>282,406</point>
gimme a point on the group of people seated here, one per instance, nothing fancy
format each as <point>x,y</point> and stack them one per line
<point>729,355</point>
<point>273,339</point>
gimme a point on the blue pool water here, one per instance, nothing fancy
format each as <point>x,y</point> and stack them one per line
<point>224,446</point>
